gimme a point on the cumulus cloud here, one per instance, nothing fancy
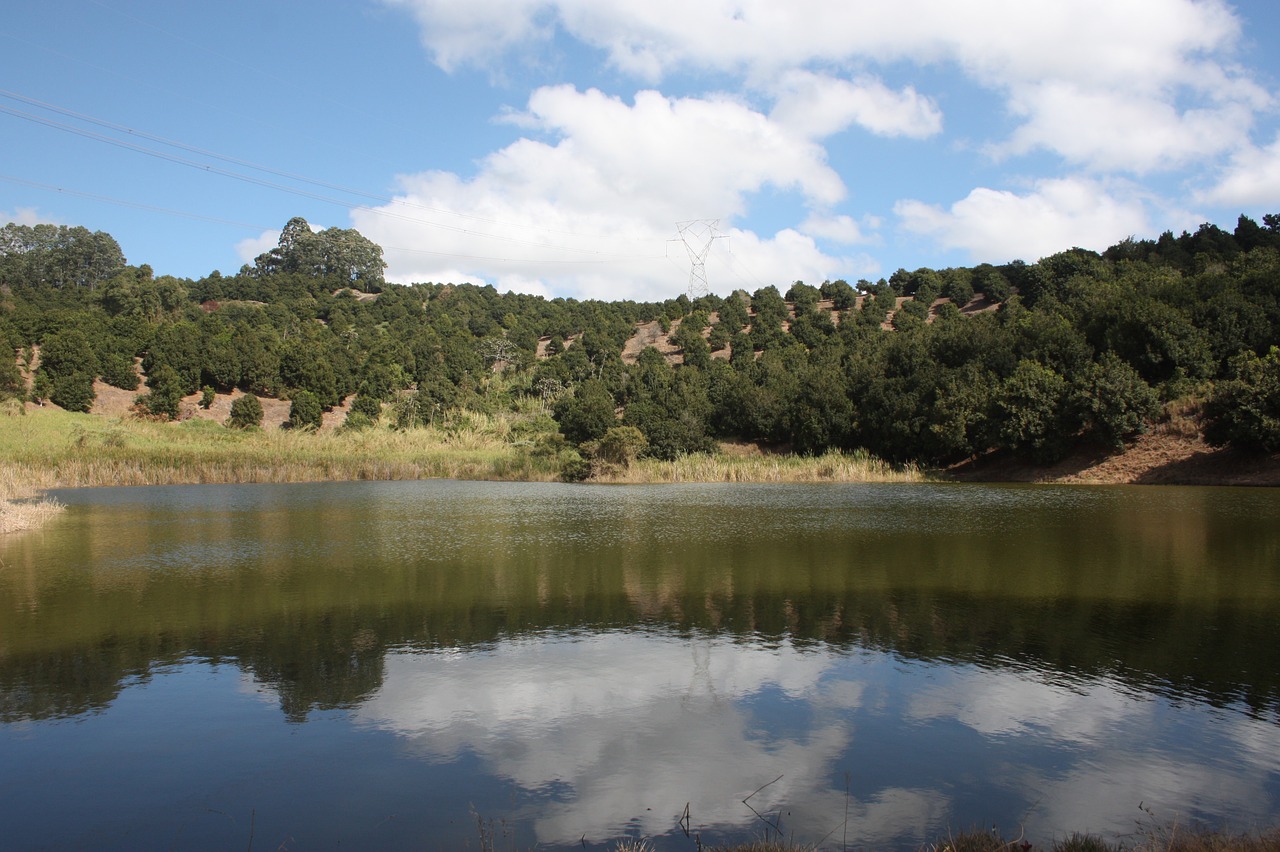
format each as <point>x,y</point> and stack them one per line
<point>672,717</point>
<point>819,105</point>
<point>250,247</point>
<point>1083,76</point>
<point>1252,179</point>
<point>27,216</point>
<point>595,210</point>
<point>1112,130</point>
<point>999,225</point>
<point>1149,87</point>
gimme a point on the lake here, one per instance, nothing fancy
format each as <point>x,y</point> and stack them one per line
<point>444,665</point>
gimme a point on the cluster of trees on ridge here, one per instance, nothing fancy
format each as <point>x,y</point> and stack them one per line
<point>1079,347</point>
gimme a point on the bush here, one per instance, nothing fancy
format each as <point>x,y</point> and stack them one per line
<point>575,469</point>
<point>620,445</point>
<point>118,371</point>
<point>368,406</point>
<point>246,413</point>
<point>166,392</point>
<point>356,422</point>
<point>305,411</point>
<point>1244,412</point>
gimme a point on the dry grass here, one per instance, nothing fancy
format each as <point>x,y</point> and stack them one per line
<point>830,467</point>
<point>22,509</point>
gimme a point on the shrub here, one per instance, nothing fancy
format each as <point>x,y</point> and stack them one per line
<point>246,413</point>
<point>305,411</point>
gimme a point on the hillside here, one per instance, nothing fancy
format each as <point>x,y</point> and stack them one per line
<point>1040,371</point>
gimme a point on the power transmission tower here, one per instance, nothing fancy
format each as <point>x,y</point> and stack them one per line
<point>698,235</point>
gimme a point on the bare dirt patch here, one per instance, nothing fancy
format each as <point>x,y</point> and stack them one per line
<point>1158,458</point>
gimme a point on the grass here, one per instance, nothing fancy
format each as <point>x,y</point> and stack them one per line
<point>51,448</point>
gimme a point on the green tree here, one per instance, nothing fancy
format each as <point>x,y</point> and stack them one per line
<point>587,414</point>
<point>305,411</point>
<point>166,392</point>
<point>1035,415</point>
<point>246,412</point>
<point>1244,411</point>
<point>1117,403</point>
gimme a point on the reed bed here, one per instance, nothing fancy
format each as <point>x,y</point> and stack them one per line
<point>45,449</point>
<point>830,467</point>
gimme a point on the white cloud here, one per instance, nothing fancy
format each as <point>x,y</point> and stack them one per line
<point>1141,85</point>
<point>1251,180</point>
<point>593,214</point>
<point>819,105</point>
<point>1113,130</point>
<point>27,216</point>
<point>997,225</point>
<point>670,718</point>
<point>840,229</point>
<point>250,247</point>
<point>470,33</point>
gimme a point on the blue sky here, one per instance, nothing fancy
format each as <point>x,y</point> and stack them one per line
<point>551,146</point>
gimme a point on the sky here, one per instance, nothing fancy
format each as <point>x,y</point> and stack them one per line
<point>554,146</point>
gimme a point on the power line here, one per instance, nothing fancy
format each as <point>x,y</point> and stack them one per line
<point>204,152</point>
<point>206,167</point>
<point>134,204</point>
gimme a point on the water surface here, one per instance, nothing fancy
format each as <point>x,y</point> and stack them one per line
<point>410,665</point>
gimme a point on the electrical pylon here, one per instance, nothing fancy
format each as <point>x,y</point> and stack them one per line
<point>703,232</point>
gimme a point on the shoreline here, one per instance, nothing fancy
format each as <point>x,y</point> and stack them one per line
<point>52,449</point>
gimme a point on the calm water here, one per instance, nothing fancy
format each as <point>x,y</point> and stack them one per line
<point>410,665</point>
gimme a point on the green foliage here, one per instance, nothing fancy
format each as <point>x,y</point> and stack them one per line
<point>305,411</point>
<point>11,385</point>
<point>587,414</point>
<point>207,397</point>
<point>165,394</point>
<point>367,405</point>
<point>356,421</point>
<point>1035,415</point>
<point>57,256</point>
<point>620,445</point>
<point>73,392</point>
<point>1081,348</point>
<point>246,412</point>
<point>1117,403</point>
<point>1244,411</point>
<point>575,469</point>
<point>118,371</point>
<point>343,255</point>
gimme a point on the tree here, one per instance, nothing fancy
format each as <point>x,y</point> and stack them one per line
<point>166,392</point>
<point>1117,402</point>
<point>69,363</point>
<point>246,412</point>
<point>1035,417</point>
<point>304,411</point>
<point>57,256</point>
<point>620,445</point>
<point>339,253</point>
<point>1244,411</point>
<point>586,415</point>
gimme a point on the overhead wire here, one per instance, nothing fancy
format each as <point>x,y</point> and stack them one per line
<point>204,152</point>
<point>210,168</point>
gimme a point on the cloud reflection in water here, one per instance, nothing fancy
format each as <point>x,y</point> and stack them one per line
<point>619,730</point>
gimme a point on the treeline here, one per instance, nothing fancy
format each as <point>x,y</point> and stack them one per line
<point>929,366</point>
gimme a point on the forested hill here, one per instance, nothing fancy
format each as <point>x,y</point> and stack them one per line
<point>930,366</point>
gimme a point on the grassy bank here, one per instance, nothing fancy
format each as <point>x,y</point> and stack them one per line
<point>50,448</point>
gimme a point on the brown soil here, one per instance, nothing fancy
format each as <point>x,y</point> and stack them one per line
<point>1157,458</point>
